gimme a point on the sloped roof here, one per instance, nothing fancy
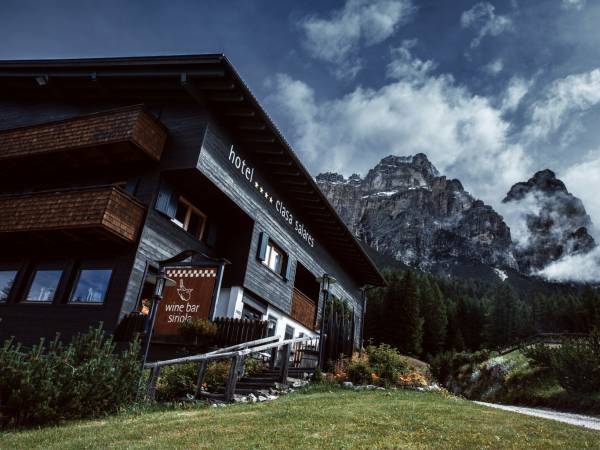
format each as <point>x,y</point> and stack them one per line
<point>212,80</point>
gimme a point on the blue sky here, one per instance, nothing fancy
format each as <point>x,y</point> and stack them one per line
<point>491,91</point>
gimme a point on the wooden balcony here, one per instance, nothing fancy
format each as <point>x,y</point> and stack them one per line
<point>89,215</point>
<point>116,136</point>
<point>304,309</point>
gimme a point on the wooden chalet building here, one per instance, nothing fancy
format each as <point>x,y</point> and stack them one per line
<point>110,165</point>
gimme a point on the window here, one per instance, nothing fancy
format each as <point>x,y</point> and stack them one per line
<point>189,218</point>
<point>91,286</point>
<point>250,313</point>
<point>44,285</point>
<point>7,279</point>
<point>274,258</point>
<point>271,326</point>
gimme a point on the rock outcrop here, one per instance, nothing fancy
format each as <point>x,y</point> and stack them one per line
<point>555,222</point>
<point>405,209</point>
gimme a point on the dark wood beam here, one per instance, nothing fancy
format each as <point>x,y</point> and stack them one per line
<point>240,112</point>
<point>266,151</point>
<point>258,138</point>
<point>226,98</point>
<point>191,89</point>
<point>251,125</point>
<point>215,85</point>
<point>286,174</point>
<point>271,162</point>
<point>294,183</point>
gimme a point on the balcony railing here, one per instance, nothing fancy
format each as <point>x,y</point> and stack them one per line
<point>304,309</point>
<point>106,210</point>
<point>120,135</point>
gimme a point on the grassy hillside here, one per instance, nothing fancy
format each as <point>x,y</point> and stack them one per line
<point>339,419</point>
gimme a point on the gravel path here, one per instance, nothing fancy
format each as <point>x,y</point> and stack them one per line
<point>574,419</point>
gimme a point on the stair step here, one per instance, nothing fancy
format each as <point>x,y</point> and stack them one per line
<point>259,379</point>
<point>254,386</point>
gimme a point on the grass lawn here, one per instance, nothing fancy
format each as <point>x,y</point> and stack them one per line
<point>339,419</point>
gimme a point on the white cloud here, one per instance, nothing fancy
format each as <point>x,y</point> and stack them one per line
<point>581,179</point>
<point>483,17</point>
<point>583,268</point>
<point>573,94</point>
<point>576,5</point>
<point>406,67</point>
<point>516,90</point>
<point>336,39</point>
<point>463,134</point>
<point>494,67</point>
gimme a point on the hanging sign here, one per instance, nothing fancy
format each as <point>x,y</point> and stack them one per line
<point>189,299</point>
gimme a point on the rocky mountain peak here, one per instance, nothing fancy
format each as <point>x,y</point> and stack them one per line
<point>555,221</point>
<point>544,181</point>
<point>405,209</point>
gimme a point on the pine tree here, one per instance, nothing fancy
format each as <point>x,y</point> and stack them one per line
<point>409,335</point>
<point>435,320</point>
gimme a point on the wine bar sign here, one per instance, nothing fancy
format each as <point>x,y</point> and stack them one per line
<point>189,299</point>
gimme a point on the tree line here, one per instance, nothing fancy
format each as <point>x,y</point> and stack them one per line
<point>423,315</point>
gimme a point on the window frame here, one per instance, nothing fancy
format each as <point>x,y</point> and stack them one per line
<point>272,246</point>
<point>91,265</point>
<point>190,209</point>
<point>45,266</point>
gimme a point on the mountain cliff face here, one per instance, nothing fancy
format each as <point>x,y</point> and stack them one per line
<point>405,209</point>
<point>555,221</point>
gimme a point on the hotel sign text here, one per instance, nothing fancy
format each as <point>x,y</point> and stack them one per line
<point>248,173</point>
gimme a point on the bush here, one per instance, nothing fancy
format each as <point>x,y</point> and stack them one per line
<point>200,332</point>
<point>386,362</point>
<point>577,366</point>
<point>539,355</point>
<point>254,366</point>
<point>81,379</point>
<point>175,382</point>
<point>359,372</point>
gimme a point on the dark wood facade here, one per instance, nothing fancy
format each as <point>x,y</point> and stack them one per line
<point>84,161</point>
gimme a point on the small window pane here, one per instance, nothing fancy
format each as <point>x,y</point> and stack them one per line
<point>7,279</point>
<point>182,210</point>
<point>275,260</point>
<point>195,224</point>
<point>44,285</point>
<point>92,285</point>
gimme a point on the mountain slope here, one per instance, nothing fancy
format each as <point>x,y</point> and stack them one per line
<point>405,209</point>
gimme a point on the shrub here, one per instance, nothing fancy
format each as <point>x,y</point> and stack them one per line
<point>200,332</point>
<point>539,355</point>
<point>175,382</point>
<point>577,366</point>
<point>386,362</point>
<point>254,366</point>
<point>53,382</point>
<point>217,373</point>
<point>359,372</point>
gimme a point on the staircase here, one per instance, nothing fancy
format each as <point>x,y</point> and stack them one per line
<point>293,354</point>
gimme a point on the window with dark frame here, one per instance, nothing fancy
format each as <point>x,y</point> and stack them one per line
<point>274,258</point>
<point>7,281</point>
<point>44,284</point>
<point>91,285</point>
<point>190,218</point>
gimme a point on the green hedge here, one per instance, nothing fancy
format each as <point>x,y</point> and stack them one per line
<point>56,381</point>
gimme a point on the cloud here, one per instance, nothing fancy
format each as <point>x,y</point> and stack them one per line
<point>582,268</point>
<point>576,5</point>
<point>483,17</point>
<point>494,67</point>
<point>416,111</point>
<point>406,67</point>
<point>575,93</point>
<point>516,90</point>
<point>579,179</point>
<point>337,39</point>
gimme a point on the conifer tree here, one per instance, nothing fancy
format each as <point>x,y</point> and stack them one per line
<point>409,326</point>
<point>435,320</point>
